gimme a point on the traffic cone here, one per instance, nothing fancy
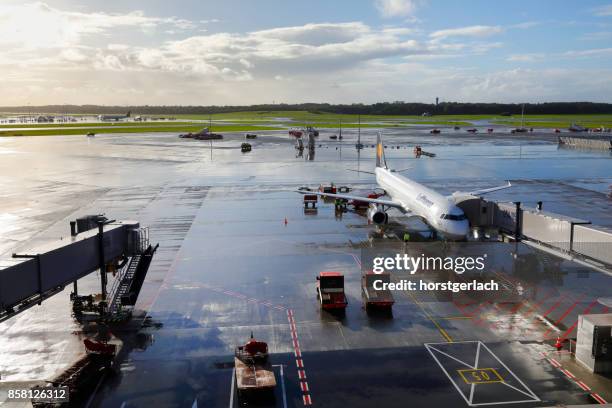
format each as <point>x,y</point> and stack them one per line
<point>559,343</point>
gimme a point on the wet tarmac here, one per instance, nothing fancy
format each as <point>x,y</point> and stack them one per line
<point>229,265</point>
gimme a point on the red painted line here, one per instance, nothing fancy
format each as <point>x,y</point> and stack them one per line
<point>289,312</point>
<point>583,386</point>
<point>297,353</point>
<point>567,373</point>
<point>299,363</point>
<point>279,307</point>
<point>573,326</point>
<point>307,400</point>
<point>480,319</point>
<point>554,362</point>
<point>516,308</point>
<point>598,399</point>
<point>537,305</point>
<point>304,386</point>
<point>553,307</point>
<point>563,316</point>
<point>568,311</point>
<point>302,374</point>
<point>477,309</point>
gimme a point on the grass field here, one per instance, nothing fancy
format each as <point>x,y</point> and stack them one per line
<point>133,129</point>
<point>283,120</point>
<point>91,125</point>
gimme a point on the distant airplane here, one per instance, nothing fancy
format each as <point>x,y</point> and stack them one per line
<point>412,198</point>
<point>106,118</point>
<point>577,128</point>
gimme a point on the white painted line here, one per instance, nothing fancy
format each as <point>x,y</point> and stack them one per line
<point>468,399</point>
<point>304,386</point>
<point>453,358</point>
<point>299,363</point>
<point>446,373</point>
<point>231,401</point>
<point>307,400</point>
<point>282,375</point>
<point>531,393</point>
<point>194,405</point>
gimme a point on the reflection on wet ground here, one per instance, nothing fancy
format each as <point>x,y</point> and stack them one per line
<point>228,264</point>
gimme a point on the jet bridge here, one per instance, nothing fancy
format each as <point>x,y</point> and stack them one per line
<point>568,237</point>
<point>30,277</point>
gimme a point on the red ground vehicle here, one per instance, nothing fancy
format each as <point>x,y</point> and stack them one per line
<point>253,370</point>
<point>376,299</point>
<point>330,291</point>
<point>296,133</point>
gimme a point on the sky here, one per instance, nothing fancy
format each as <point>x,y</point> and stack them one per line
<point>242,52</point>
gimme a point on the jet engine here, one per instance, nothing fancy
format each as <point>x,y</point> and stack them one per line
<point>377,215</point>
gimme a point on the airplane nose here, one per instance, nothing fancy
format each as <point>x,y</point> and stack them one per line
<point>458,230</point>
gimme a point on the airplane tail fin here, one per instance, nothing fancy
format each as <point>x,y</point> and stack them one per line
<point>380,152</point>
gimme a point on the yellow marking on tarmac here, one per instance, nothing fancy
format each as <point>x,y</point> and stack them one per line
<point>443,332</point>
<point>480,376</point>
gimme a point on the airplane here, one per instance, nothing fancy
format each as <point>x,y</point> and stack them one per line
<point>412,198</point>
<point>114,117</point>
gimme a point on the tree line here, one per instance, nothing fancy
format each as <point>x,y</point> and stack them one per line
<point>383,108</point>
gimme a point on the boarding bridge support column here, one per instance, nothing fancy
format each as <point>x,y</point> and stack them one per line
<point>517,228</point>
<point>103,277</point>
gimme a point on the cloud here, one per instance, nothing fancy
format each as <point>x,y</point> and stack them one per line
<point>595,52</point>
<point>603,11</point>
<point>471,31</point>
<point>596,36</point>
<point>530,57</point>
<point>526,24</point>
<point>98,57</point>
<point>38,25</point>
<point>588,53</point>
<point>396,8</point>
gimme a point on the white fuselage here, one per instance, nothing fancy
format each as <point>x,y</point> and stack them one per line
<point>438,211</point>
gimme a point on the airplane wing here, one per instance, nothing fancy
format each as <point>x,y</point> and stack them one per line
<point>487,190</point>
<point>388,203</point>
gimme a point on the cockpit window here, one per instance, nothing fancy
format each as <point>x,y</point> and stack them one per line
<point>453,217</point>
